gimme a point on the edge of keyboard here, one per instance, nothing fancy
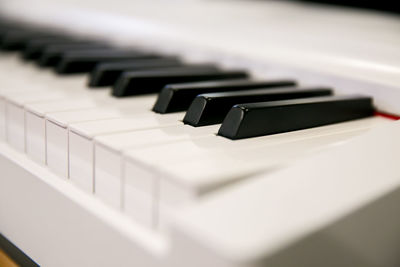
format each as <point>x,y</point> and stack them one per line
<point>102,234</point>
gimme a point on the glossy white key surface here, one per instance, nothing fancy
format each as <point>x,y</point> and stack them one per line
<point>108,164</point>
<point>81,163</point>
<point>125,140</point>
<point>2,119</point>
<point>57,133</point>
<point>15,126</point>
<point>314,221</point>
<point>201,165</point>
<point>324,199</point>
<point>138,122</point>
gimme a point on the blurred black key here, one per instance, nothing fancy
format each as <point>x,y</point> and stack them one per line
<point>265,118</point>
<point>85,61</point>
<point>35,47</point>
<point>17,39</point>
<point>147,82</point>
<point>178,97</point>
<point>106,74</point>
<point>212,108</point>
<point>52,54</point>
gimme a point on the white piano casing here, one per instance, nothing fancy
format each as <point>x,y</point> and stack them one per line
<point>311,212</point>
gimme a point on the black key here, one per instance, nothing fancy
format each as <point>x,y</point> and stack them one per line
<point>85,61</point>
<point>106,74</point>
<point>17,39</point>
<point>52,54</point>
<point>265,118</point>
<point>178,97</point>
<point>35,47</point>
<point>212,108</point>
<point>147,82</point>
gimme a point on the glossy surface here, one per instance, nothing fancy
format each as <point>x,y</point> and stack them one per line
<point>85,61</point>
<point>177,97</point>
<point>212,108</point>
<point>145,82</point>
<point>265,118</point>
<point>106,74</point>
<point>52,54</point>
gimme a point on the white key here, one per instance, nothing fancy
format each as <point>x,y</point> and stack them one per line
<point>2,119</point>
<point>108,157</point>
<point>15,113</point>
<point>344,192</point>
<point>200,165</point>
<point>35,123</point>
<point>57,127</point>
<point>81,149</point>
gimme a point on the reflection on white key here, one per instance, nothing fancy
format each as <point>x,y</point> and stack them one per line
<point>57,127</point>
<point>35,123</point>
<point>201,165</point>
<point>109,150</point>
<point>81,162</point>
<point>340,191</point>
<point>2,119</point>
<point>15,113</point>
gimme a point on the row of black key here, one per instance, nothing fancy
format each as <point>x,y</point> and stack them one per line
<point>211,95</point>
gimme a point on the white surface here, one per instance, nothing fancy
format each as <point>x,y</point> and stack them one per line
<point>139,185</point>
<point>57,149</point>
<point>329,49</point>
<point>57,224</point>
<point>216,147</point>
<point>135,122</point>
<point>2,119</point>
<point>15,126</point>
<point>137,199</point>
<point>317,44</point>
<point>81,149</point>
<point>81,162</point>
<point>252,221</point>
<point>202,165</point>
<point>57,142</point>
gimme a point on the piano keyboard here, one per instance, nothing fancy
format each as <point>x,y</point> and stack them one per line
<point>149,134</point>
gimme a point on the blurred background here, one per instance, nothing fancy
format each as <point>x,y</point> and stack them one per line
<point>341,37</point>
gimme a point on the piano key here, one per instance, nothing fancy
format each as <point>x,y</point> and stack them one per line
<point>18,39</point>
<point>264,118</point>
<point>108,150</point>
<point>177,97</point>
<point>145,82</point>
<point>85,61</point>
<point>15,115</point>
<point>321,192</point>
<point>35,115</point>
<point>52,54</point>
<point>81,147</point>
<point>212,108</point>
<point>57,130</point>
<point>35,47</point>
<point>218,162</point>
<point>105,74</point>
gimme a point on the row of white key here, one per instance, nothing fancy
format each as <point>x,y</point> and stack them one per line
<point>146,164</point>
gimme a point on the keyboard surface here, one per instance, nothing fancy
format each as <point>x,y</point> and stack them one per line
<point>208,181</point>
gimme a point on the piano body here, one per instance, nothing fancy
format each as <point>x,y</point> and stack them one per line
<point>91,179</point>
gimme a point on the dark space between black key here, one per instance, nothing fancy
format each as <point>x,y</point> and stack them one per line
<point>106,74</point>
<point>147,82</point>
<point>35,47</point>
<point>85,61</point>
<point>207,109</point>
<point>178,97</point>
<point>52,54</point>
<point>265,118</point>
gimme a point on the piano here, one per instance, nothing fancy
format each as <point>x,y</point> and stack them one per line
<point>198,133</point>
